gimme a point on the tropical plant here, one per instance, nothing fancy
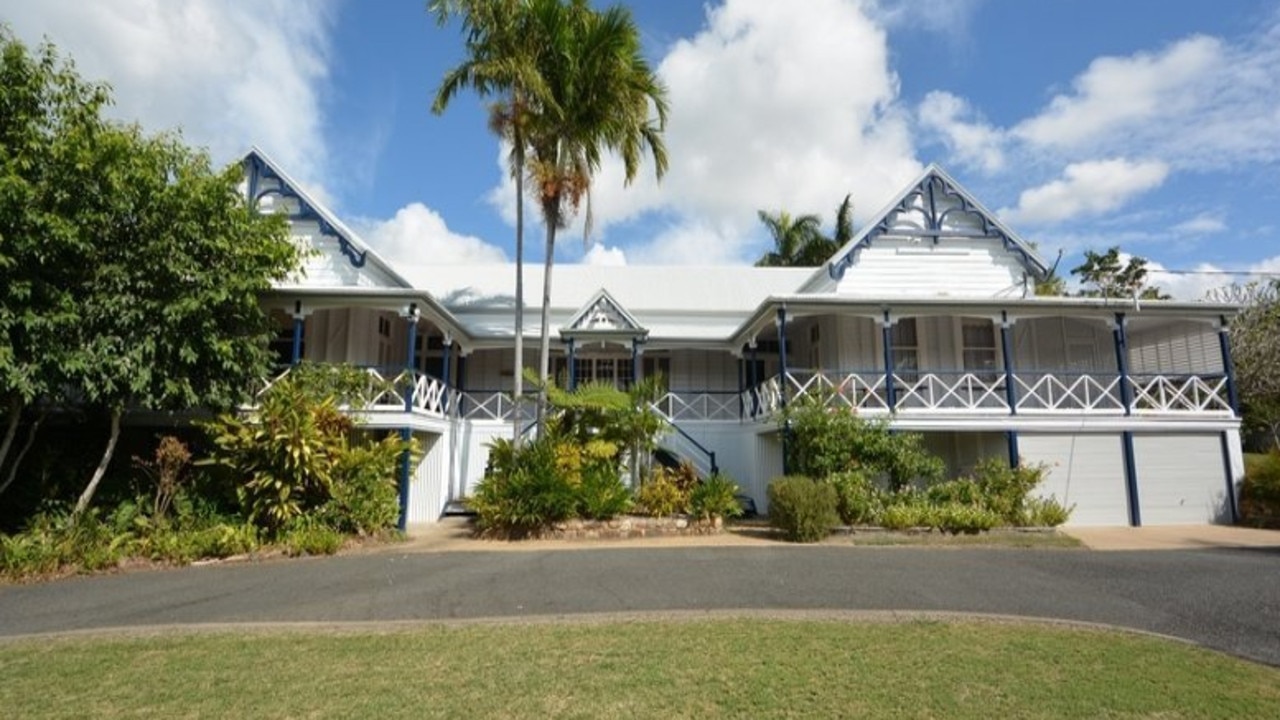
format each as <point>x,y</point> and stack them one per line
<point>599,93</point>
<point>663,494</point>
<point>715,497</point>
<point>797,241</point>
<point>858,500</point>
<point>502,53</point>
<point>1255,345</point>
<point>525,491</point>
<point>803,509</point>
<point>169,462</point>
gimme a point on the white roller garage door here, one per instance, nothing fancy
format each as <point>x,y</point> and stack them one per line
<point>1084,470</point>
<point>1181,480</point>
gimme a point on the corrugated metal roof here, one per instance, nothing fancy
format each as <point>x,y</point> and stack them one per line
<point>639,288</point>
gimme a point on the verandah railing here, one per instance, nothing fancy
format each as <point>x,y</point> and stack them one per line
<point>961,392</point>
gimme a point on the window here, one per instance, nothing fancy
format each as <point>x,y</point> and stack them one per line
<point>978,340</point>
<point>282,341</point>
<point>906,348</point>
<point>815,347</point>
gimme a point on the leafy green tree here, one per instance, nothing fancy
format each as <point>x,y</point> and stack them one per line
<point>49,124</point>
<point>1104,275</point>
<point>167,304</point>
<point>601,94</point>
<point>1255,345</point>
<point>501,61</point>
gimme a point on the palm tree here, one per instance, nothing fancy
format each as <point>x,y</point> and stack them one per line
<point>799,241</point>
<point>501,61</point>
<point>796,240</point>
<point>601,94</point>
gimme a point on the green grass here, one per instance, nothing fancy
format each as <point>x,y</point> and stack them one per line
<point>697,668</point>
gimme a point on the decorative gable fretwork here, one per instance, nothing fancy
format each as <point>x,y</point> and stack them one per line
<point>602,317</point>
<point>932,212</point>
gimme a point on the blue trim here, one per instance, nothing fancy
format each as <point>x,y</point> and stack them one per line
<point>925,193</point>
<point>635,360</point>
<point>1015,457</point>
<point>890,392</point>
<point>755,381</point>
<point>1006,351</point>
<point>405,470</point>
<point>1228,367</point>
<point>782,355</point>
<point>357,258</point>
<point>573,366</point>
<point>741,387</point>
<point>711,455</point>
<point>1232,502</point>
<point>444,374</point>
<point>1122,363</point>
<point>1131,479</point>
<point>462,379</point>
<point>297,339</point>
<point>411,358</point>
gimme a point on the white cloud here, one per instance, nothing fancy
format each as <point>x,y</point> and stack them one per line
<point>774,105</point>
<point>1118,91</point>
<point>230,74</point>
<point>600,254</point>
<point>973,143</point>
<point>1086,188</point>
<point>417,235</point>
<point>1202,224</point>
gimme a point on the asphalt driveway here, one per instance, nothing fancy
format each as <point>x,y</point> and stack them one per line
<point>1225,599</point>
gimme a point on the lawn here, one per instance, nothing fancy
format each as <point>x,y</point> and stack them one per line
<point>675,668</point>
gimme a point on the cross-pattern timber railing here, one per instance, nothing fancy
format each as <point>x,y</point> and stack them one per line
<point>977,393</point>
<point>386,388</point>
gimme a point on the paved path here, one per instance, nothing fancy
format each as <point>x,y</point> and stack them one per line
<point>1226,599</point>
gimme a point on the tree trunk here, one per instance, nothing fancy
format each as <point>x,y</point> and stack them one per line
<point>518,377</point>
<point>22,453</point>
<point>15,414</point>
<point>544,354</point>
<point>101,470</point>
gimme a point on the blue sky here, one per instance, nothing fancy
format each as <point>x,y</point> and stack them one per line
<point>1150,125</point>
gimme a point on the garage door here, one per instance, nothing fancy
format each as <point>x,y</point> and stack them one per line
<point>1084,470</point>
<point>1180,479</point>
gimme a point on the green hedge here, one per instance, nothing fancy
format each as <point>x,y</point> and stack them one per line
<point>802,508</point>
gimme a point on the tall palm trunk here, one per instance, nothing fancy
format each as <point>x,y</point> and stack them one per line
<point>544,354</point>
<point>518,377</point>
<point>22,453</point>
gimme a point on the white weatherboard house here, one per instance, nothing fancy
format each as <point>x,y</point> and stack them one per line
<point>928,318</point>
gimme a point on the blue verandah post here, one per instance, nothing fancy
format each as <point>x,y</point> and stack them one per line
<point>886,335</point>
<point>298,320</point>
<point>1229,370</point>
<point>1126,437</point>
<point>406,433</point>
<point>444,372</point>
<point>1010,392</point>
<point>784,382</point>
<point>754,375</point>
<point>573,365</point>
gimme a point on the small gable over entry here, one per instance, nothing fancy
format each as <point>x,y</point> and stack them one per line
<point>603,320</point>
<point>933,240</point>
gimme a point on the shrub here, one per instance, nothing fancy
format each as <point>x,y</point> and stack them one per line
<point>1004,489</point>
<point>309,536</point>
<point>1260,491</point>
<point>601,494</point>
<point>525,493</point>
<point>823,441</point>
<point>715,497</point>
<point>1044,512</point>
<point>662,495</point>
<point>904,514</point>
<point>956,518</point>
<point>858,500</point>
<point>365,498</point>
<point>961,492</point>
<point>802,508</point>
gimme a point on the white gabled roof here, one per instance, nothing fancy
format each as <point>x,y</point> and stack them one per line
<point>356,250</point>
<point>885,223</point>
<point>642,289</point>
<point>600,316</point>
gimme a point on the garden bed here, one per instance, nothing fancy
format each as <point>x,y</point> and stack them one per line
<point>630,527</point>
